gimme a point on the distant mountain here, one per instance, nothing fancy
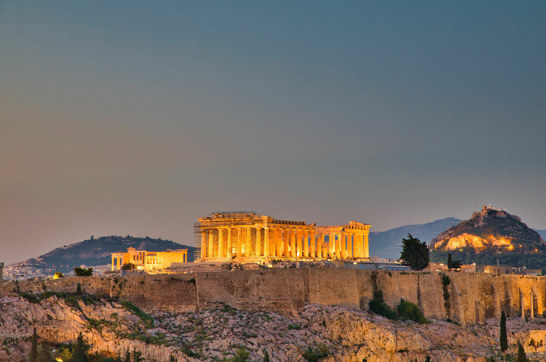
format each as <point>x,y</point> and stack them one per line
<point>94,252</point>
<point>388,244</point>
<point>491,236</point>
<point>542,233</point>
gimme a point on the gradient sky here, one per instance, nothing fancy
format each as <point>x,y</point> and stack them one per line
<point>138,117</point>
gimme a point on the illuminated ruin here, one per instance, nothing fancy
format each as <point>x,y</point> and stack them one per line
<point>247,236</point>
<point>149,260</point>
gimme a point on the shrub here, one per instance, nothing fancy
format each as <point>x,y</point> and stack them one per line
<point>148,321</point>
<point>128,266</point>
<point>447,304</point>
<point>378,306</point>
<point>407,310</point>
<point>240,356</point>
<point>313,354</point>
<point>82,272</point>
<point>294,326</point>
<point>33,298</point>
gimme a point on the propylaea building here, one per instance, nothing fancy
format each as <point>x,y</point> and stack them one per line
<point>246,236</point>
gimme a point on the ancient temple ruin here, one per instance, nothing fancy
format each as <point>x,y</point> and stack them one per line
<point>149,260</point>
<point>247,236</point>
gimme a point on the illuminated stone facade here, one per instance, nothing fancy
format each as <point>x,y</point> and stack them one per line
<point>149,260</point>
<point>246,236</point>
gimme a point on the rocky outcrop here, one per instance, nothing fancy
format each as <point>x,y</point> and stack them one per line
<point>473,297</point>
<point>334,333</point>
<point>489,229</point>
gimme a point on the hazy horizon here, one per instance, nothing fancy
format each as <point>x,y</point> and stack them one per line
<point>139,117</point>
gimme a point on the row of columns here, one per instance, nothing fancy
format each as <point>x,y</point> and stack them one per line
<point>281,242</point>
<point>117,262</point>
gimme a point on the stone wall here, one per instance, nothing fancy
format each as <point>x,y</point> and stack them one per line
<point>473,298</point>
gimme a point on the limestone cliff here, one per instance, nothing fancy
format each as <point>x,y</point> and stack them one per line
<point>332,333</point>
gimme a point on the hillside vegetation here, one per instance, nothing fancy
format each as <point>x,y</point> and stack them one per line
<point>97,251</point>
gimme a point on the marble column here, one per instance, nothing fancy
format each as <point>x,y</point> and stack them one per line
<point>266,242</point>
<point>220,242</point>
<point>312,247</point>
<point>343,245</point>
<point>229,250</point>
<point>332,245</point>
<point>286,240</point>
<point>320,243</point>
<point>359,246</point>
<point>210,251</point>
<point>350,245</point>
<point>306,243</point>
<point>299,239</point>
<point>278,242</point>
<point>293,236</point>
<point>338,247</point>
<point>203,244</point>
<point>258,251</point>
<point>239,242</point>
<point>366,251</point>
<point>248,247</point>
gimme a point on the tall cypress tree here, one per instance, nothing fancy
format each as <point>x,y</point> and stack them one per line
<point>79,353</point>
<point>503,336</point>
<point>34,349</point>
<point>449,261</point>
<point>522,357</point>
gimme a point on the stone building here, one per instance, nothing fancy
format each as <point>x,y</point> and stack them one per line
<point>247,236</point>
<point>149,260</point>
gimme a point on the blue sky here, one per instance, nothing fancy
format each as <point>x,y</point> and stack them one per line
<point>138,117</point>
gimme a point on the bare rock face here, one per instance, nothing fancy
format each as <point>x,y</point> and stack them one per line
<point>329,333</point>
<point>489,229</point>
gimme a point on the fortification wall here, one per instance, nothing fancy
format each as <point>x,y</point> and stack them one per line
<point>473,297</point>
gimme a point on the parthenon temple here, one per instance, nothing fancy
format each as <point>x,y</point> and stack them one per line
<point>247,236</point>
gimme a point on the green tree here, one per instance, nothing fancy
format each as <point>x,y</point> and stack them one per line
<point>82,272</point>
<point>44,353</point>
<point>127,356</point>
<point>427,358</point>
<point>33,356</point>
<point>503,336</point>
<point>522,357</point>
<point>453,265</point>
<point>128,266</point>
<point>266,356</point>
<point>414,253</point>
<point>408,310</point>
<point>79,352</point>
<point>137,356</point>
<point>378,306</point>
